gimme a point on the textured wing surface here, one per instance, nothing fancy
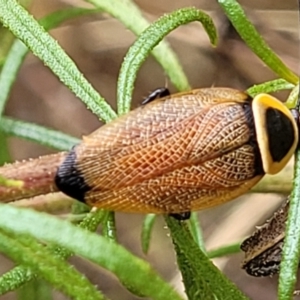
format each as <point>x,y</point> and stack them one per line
<point>187,151</point>
<point>190,188</point>
<point>162,137</point>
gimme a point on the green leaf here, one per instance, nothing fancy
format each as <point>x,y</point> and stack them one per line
<point>9,71</point>
<point>6,40</point>
<point>146,231</point>
<point>56,18</point>
<point>205,275</point>
<point>37,289</point>
<point>225,250</point>
<point>292,100</point>
<point>109,226</point>
<point>36,133</point>
<point>139,51</point>
<point>21,274</point>
<point>23,249</point>
<point>196,232</point>
<point>130,15</point>
<point>4,151</point>
<point>27,29</point>
<point>291,249</point>
<point>196,287</point>
<point>15,278</point>
<point>270,87</point>
<point>255,42</point>
<point>18,50</point>
<point>131,270</point>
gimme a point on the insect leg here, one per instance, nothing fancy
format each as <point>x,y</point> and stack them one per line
<point>181,216</point>
<point>157,93</point>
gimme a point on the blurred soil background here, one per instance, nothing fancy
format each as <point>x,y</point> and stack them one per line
<point>97,44</point>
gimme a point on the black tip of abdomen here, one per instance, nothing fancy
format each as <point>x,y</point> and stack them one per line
<point>69,179</point>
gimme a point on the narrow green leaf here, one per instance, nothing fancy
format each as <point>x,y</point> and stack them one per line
<point>291,249</point>
<point>146,231</point>
<point>37,289</point>
<point>196,231</point>
<point>9,71</point>
<point>122,263</point>
<point>255,42</point>
<point>130,15</point>
<point>4,151</point>
<point>26,250</point>
<point>270,87</point>
<point>93,219</point>
<point>292,100</point>
<point>218,284</point>
<point>36,133</point>
<point>15,278</point>
<point>196,287</point>
<point>139,51</point>
<point>109,226</point>
<point>26,28</point>
<point>224,250</point>
<point>79,208</point>
<point>56,18</point>
<point>18,50</point>
<point>6,40</point>
<point>21,274</point>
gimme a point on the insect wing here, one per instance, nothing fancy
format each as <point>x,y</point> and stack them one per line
<point>172,149</point>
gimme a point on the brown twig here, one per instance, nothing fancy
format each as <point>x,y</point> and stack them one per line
<point>37,176</point>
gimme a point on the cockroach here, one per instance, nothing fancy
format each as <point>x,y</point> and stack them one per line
<point>179,153</point>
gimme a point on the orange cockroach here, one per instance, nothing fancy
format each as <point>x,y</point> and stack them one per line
<point>180,153</point>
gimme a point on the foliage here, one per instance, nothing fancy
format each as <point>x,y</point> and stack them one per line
<point>21,231</point>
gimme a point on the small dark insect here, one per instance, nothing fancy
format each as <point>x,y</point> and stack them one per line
<point>181,153</point>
